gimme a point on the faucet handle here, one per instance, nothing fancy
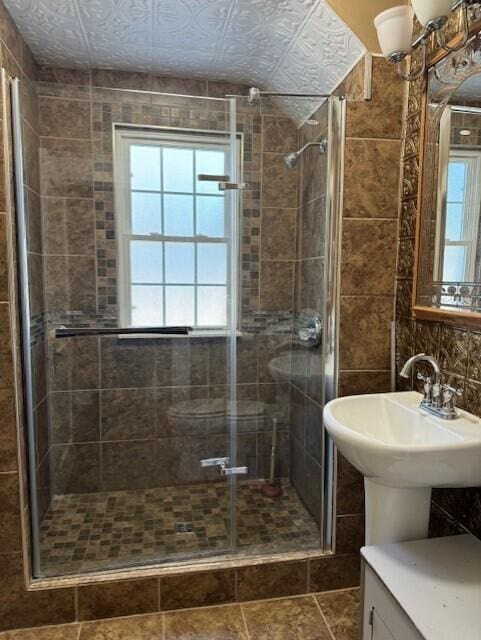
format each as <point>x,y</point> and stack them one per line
<point>424,378</point>
<point>454,392</point>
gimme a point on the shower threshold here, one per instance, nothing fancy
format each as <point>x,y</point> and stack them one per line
<point>89,533</point>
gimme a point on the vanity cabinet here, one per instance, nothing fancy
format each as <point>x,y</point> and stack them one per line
<point>422,590</point>
<point>383,618</point>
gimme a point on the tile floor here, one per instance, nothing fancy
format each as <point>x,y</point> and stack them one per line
<point>327,616</point>
<point>87,532</point>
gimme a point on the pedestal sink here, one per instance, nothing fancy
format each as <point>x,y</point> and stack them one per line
<point>403,452</point>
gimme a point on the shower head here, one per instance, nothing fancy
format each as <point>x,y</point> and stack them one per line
<point>291,159</point>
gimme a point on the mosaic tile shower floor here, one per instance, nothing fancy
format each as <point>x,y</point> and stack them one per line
<point>85,532</point>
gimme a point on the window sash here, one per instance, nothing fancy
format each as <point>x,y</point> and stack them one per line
<point>124,140</point>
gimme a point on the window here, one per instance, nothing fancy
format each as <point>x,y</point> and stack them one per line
<point>173,230</point>
<point>462,215</point>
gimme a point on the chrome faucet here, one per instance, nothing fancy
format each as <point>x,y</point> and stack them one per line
<point>439,399</point>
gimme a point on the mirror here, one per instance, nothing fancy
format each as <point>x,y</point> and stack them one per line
<point>449,232</point>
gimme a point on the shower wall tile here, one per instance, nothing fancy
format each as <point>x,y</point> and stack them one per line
<point>279,135</point>
<point>74,416</point>
<point>66,168</point>
<point>42,429</point>
<point>129,465</point>
<point>36,277</point>
<point>313,175</point>
<point>76,468</point>
<point>34,221</point>
<point>130,363</point>
<point>278,234</point>
<point>129,414</point>
<point>69,226</point>
<point>60,118</point>
<point>74,364</point>
<point>31,150</point>
<point>312,222</point>
<point>279,183</point>
<point>70,283</point>
<point>276,285</point>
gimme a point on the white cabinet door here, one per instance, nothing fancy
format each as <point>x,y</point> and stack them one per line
<point>387,621</point>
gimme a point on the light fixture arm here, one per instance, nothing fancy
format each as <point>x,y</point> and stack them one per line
<point>416,74</point>
<point>441,40</point>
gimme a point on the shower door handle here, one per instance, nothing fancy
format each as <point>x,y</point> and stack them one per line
<point>224,184</point>
<point>224,469</point>
<point>70,332</point>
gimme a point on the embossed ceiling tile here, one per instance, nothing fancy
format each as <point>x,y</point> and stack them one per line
<point>290,45</point>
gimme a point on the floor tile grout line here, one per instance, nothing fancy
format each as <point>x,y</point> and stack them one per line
<point>318,604</point>
<point>245,621</point>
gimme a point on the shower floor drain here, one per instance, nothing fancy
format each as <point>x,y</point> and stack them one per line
<point>184,527</point>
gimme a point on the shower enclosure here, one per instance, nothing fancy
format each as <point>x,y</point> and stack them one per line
<point>178,299</point>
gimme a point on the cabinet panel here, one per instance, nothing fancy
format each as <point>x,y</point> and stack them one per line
<point>389,621</point>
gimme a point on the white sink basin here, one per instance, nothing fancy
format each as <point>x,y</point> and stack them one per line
<point>297,368</point>
<point>403,452</point>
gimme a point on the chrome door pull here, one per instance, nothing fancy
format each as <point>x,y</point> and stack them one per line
<point>224,469</point>
<point>234,471</point>
<point>214,462</point>
<point>232,186</point>
<point>205,177</point>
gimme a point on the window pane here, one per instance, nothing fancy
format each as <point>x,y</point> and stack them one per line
<point>178,170</point>
<point>145,167</point>
<point>147,306</point>
<point>210,162</point>
<point>456,180</point>
<point>454,221</point>
<point>212,306</point>
<point>211,216</point>
<point>179,215</point>
<point>145,261</point>
<point>179,306</point>
<point>454,263</point>
<point>179,262</point>
<point>146,213</point>
<point>212,263</point>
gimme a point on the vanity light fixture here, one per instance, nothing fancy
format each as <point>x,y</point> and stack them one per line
<point>395,30</point>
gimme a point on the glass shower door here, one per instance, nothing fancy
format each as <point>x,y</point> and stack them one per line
<point>133,337</point>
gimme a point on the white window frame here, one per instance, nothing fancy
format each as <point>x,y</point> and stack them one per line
<point>124,137</point>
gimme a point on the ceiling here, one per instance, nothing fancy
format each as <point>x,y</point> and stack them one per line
<point>280,45</point>
<point>359,16</point>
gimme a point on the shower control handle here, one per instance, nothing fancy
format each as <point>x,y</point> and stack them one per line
<point>312,334</point>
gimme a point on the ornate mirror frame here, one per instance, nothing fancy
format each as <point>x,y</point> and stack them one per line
<point>444,76</point>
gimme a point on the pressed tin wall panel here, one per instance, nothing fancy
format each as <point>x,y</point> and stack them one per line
<point>296,45</point>
<point>456,347</point>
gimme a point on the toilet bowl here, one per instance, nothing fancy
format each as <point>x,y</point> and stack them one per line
<point>213,415</point>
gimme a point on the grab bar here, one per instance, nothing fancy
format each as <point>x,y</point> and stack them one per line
<point>71,332</point>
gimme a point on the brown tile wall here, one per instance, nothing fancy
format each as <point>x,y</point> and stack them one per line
<point>368,262</point>
<point>457,347</point>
